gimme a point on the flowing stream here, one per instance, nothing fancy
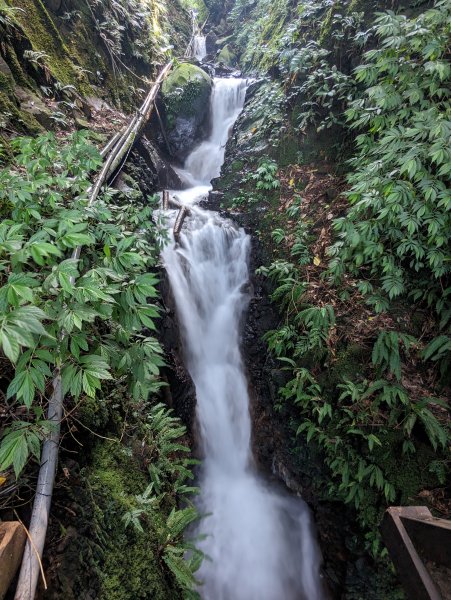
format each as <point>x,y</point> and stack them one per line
<point>259,539</point>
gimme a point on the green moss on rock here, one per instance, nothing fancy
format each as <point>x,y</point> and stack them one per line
<point>43,35</point>
<point>185,91</point>
<point>130,565</point>
<point>10,113</point>
<point>20,77</point>
<point>227,56</point>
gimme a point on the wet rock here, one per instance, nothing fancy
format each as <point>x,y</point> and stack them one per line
<point>227,56</point>
<point>97,103</point>
<point>210,42</point>
<point>81,123</point>
<point>223,70</point>
<point>148,169</point>
<point>182,396</point>
<point>33,105</point>
<point>4,68</point>
<point>167,177</point>
<point>53,5</point>
<point>185,100</point>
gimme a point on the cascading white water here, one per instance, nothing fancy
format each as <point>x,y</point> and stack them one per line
<point>259,539</point>
<point>199,47</point>
<point>205,162</point>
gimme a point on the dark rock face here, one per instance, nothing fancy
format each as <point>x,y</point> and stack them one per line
<point>183,137</point>
<point>167,177</point>
<point>210,42</point>
<point>149,169</point>
<point>181,395</point>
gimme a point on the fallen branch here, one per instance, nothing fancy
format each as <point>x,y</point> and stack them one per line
<point>183,212</point>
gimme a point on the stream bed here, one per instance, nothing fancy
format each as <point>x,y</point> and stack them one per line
<point>259,540</point>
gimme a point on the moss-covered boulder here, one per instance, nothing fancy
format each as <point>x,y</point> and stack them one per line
<point>185,97</point>
<point>227,56</point>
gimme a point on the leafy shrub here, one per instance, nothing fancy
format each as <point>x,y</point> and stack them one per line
<point>100,301</point>
<point>396,232</point>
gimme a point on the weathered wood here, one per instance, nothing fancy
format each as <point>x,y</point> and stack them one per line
<point>12,542</point>
<point>175,203</point>
<point>183,212</point>
<point>411,570</point>
<point>110,144</point>
<point>432,536</point>
<point>130,134</point>
<point>30,569</point>
<point>165,200</point>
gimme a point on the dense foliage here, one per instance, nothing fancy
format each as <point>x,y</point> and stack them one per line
<point>353,399</point>
<point>98,301</point>
<point>89,316</point>
<point>396,235</point>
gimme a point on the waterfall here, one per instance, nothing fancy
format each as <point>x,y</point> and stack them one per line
<point>199,47</point>
<point>259,539</point>
<point>204,163</point>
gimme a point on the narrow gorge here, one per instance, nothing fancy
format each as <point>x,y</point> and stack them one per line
<point>224,299</point>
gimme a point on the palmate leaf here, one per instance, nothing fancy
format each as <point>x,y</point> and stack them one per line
<point>19,327</point>
<point>18,290</point>
<point>17,445</point>
<point>23,387</point>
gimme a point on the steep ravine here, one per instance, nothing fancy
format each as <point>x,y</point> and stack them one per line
<point>250,268</point>
<point>346,569</point>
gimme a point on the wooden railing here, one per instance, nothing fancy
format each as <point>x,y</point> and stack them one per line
<point>415,539</point>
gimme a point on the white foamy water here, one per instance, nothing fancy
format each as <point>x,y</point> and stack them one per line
<point>259,540</point>
<point>199,47</point>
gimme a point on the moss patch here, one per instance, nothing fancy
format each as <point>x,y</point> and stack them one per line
<point>131,566</point>
<point>10,114</point>
<point>185,92</point>
<point>43,35</point>
<point>227,56</point>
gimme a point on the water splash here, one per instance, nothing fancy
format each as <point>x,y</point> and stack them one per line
<point>199,47</point>
<point>259,539</point>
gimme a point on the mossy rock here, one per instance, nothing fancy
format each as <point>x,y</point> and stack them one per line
<point>42,33</point>
<point>185,96</point>
<point>185,90</point>
<point>227,56</point>
<point>131,565</point>
<point>10,113</point>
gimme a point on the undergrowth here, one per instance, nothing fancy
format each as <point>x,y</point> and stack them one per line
<point>91,318</point>
<point>368,270</point>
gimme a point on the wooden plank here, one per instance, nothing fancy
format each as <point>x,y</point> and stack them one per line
<point>431,536</point>
<point>411,570</point>
<point>12,542</point>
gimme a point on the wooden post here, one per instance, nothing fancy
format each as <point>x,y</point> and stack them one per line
<point>403,528</point>
<point>165,200</point>
<point>179,222</point>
